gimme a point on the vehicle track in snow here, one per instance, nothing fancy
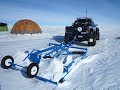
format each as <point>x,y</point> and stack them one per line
<point>99,71</point>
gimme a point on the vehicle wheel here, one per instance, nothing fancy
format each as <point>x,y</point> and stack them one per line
<point>98,36</point>
<point>68,38</point>
<point>92,41</point>
<point>7,62</point>
<point>32,70</point>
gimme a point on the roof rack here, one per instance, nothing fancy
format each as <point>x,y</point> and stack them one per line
<point>84,18</point>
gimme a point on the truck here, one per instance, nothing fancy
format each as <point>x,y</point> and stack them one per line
<point>83,29</point>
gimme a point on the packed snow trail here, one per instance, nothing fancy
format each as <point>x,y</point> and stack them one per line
<point>99,71</point>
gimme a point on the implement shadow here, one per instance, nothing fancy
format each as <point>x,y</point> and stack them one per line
<point>22,69</point>
<point>46,80</point>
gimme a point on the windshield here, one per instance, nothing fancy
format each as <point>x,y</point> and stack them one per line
<point>82,22</point>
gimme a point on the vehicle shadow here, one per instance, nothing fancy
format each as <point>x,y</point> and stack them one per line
<point>60,39</point>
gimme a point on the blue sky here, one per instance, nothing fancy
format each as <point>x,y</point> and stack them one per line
<point>60,12</point>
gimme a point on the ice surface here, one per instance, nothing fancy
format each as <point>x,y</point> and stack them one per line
<point>99,71</point>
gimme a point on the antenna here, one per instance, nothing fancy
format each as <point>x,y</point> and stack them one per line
<point>86,18</point>
<point>86,13</point>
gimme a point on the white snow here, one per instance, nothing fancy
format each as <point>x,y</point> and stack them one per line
<point>99,71</point>
<point>51,69</point>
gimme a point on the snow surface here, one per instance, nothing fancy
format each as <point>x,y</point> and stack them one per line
<point>99,71</point>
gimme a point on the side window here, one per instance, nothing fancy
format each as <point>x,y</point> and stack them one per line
<point>93,24</point>
<point>77,23</point>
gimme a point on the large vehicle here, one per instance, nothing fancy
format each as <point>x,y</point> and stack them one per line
<point>84,29</point>
<point>3,27</point>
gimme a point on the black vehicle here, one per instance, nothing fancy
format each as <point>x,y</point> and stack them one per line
<point>84,29</point>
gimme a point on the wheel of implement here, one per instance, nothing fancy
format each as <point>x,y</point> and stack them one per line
<point>32,70</point>
<point>7,62</point>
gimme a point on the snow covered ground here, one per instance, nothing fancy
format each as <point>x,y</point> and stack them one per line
<point>99,71</point>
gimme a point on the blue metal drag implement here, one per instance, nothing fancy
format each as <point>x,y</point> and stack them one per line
<point>53,51</point>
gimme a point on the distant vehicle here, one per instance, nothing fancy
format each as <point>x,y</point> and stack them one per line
<point>3,27</point>
<point>84,29</point>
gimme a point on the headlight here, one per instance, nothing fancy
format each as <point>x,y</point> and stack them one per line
<point>79,29</point>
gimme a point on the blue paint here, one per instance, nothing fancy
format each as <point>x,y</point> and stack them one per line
<point>53,51</point>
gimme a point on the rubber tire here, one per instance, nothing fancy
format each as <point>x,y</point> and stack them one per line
<point>92,43</point>
<point>29,70</point>
<point>4,60</point>
<point>68,38</point>
<point>98,36</point>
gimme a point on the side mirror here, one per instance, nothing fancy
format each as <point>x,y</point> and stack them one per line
<point>96,24</point>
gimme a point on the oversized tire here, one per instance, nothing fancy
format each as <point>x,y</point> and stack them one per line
<point>68,38</point>
<point>32,70</point>
<point>97,35</point>
<point>7,62</point>
<point>92,41</point>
